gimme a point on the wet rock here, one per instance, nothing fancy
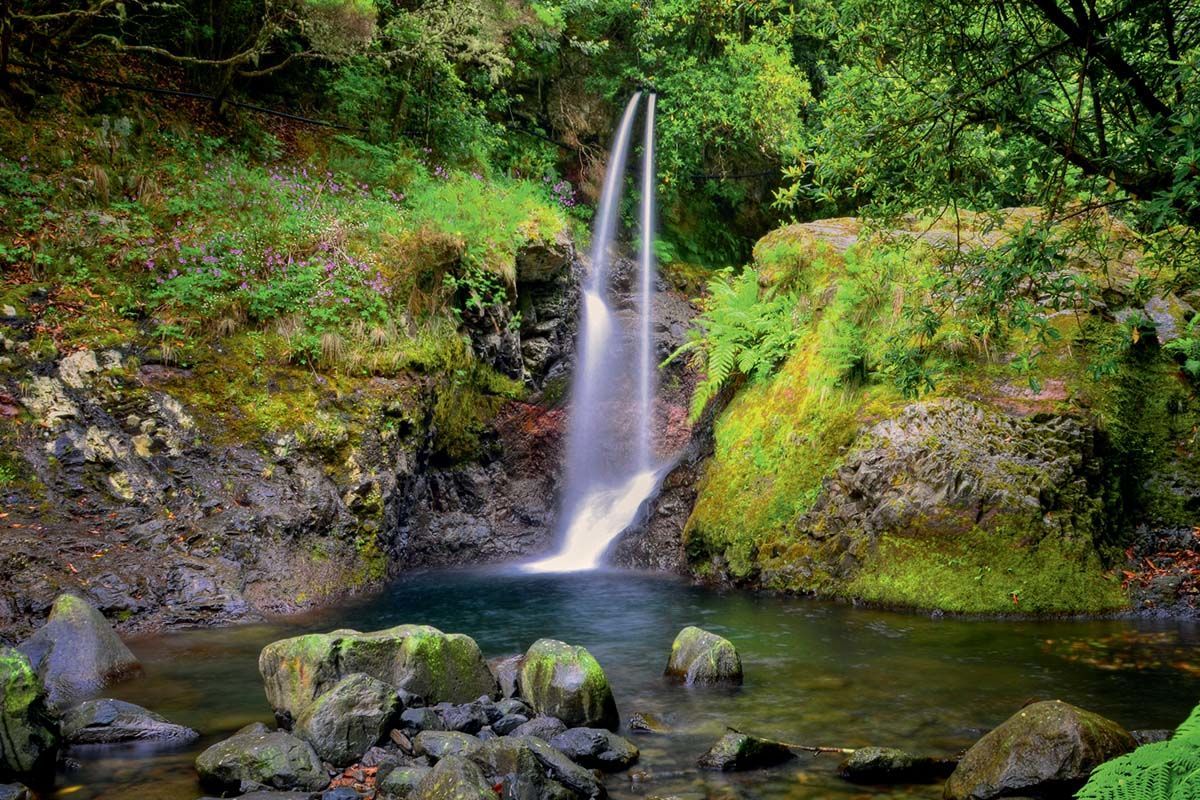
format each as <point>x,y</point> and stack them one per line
<point>565,681</point>
<point>1151,736</point>
<point>646,722</point>
<point>401,782</point>
<point>115,721</point>
<point>1047,746</point>
<point>467,718</point>
<point>270,795</point>
<point>77,652</point>
<point>421,719</point>
<point>509,723</point>
<point>353,716</point>
<point>455,778</point>
<point>15,791</point>
<point>439,744</point>
<point>514,705</point>
<point>596,748</point>
<point>432,665</point>
<point>542,727</point>
<point>506,670</point>
<point>889,765</point>
<point>738,751</point>
<point>30,741</point>
<point>513,767</point>
<point>701,658</point>
<point>257,757</point>
<point>561,768</point>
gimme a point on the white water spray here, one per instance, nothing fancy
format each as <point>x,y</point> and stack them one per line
<point>610,463</point>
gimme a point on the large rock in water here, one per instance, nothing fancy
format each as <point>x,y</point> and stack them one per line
<point>257,757</point>
<point>738,751</point>
<point>421,660</point>
<point>565,681</point>
<point>701,658</point>
<point>115,721</point>
<point>30,741</point>
<point>77,652</point>
<point>1050,746</point>
<point>349,719</point>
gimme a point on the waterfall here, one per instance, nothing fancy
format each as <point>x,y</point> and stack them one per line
<point>610,469</point>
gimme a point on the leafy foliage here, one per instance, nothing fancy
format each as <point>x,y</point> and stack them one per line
<point>1187,349</point>
<point>741,333</point>
<point>1159,771</point>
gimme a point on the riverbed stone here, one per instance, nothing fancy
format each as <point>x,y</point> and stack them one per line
<point>739,751</point>
<point>467,717</point>
<point>439,744</point>
<point>1046,746</point>
<point>421,719</point>
<point>346,721</point>
<point>507,671</point>
<point>543,727</point>
<point>77,652</point>
<point>889,765</point>
<point>432,665</point>
<point>31,737</point>
<point>257,757</point>
<point>509,723</point>
<point>567,682</point>
<point>455,778</point>
<point>561,768</point>
<point>702,658</point>
<point>108,721</point>
<point>402,782</point>
<point>514,768</point>
<point>596,748</point>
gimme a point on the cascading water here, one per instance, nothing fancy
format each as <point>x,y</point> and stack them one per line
<point>610,468</point>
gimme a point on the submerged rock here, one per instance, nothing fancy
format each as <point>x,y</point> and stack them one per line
<point>256,757</point>
<point>77,652</point>
<point>346,721</point>
<point>565,681</point>
<point>647,722</point>
<point>1047,746</point>
<point>455,778</point>
<point>889,765</point>
<point>701,658</point>
<point>115,721</point>
<point>29,745</point>
<point>419,659</point>
<point>738,751</point>
<point>596,748</point>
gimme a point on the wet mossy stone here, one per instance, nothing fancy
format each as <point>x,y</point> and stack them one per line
<point>739,751</point>
<point>562,769</point>
<point>888,765</point>
<point>349,719</point>
<point>455,778</point>
<point>417,659</point>
<point>439,744</point>
<point>565,681</point>
<point>401,782</point>
<point>596,748</point>
<point>1045,748</point>
<point>701,658</point>
<point>257,757</point>
<point>115,721</point>
<point>29,736</point>
<point>77,652</point>
<point>542,727</point>
<point>514,768</point>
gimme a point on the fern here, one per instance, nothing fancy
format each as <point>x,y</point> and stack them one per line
<point>739,332</point>
<point>1167,770</point>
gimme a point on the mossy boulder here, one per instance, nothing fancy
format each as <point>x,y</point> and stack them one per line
<point>436,745</point>
<point>455,778</point>
<point>350,718</point>
<point>739,751</point>
<point>701,658</point>
<point>256,757</point>
<point>29,745</point>
<point>110,721</point>
<point>1046,747</point>
<point>512,765</point>
<point>401,782</point>
<point>77,652</point>
<point>889,765</point>
<point>566,681</point>
<point>418,659</point>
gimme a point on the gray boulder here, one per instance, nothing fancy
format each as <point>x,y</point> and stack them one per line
<point>596,748</point>
<point>562,769</point>
<point>421,719</point>
<point>738,751</point>
<point>77,652</point>
<point>565,681</point>
<point>701,658</point>
<point>509,723</point>
<point>439,744</point>
<point>545,728</point>
<point>115,721</point>
<point>349,719</point>
<point>29,745</point>
<point>507,671</point>
<point>513,766</point>
<point>1047,747</point>
<point>401,782</point>
<point>466,718</point>
<point>256,757</point>
<point>888,765</point>
<point>454,778</point>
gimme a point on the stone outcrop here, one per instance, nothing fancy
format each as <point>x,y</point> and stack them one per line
<point>565,681</point>
<point>701,658</point>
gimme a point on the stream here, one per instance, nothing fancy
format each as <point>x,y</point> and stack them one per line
<point>816,673</point>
